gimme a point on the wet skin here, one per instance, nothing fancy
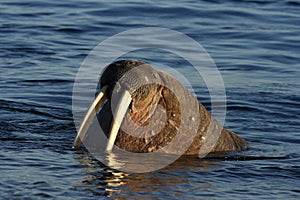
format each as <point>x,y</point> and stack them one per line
<point>152,110</point>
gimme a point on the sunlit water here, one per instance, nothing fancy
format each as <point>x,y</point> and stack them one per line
<point>255,44</point>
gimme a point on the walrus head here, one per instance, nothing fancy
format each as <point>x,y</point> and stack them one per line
<point>136,78</point>
<point>127,85</point>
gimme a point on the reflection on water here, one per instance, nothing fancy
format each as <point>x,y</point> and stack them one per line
<point>104,181</point>
<point>189,176</point>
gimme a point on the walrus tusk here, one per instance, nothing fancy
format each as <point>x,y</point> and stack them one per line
<point>90,115</point>
<point>118,115</point>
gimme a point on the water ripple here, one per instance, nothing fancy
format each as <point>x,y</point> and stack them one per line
<point>255,44</point>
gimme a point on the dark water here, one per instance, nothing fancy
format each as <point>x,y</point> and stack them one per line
<point>255,44</point>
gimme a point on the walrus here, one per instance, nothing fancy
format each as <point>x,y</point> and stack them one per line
<point>141,111</point>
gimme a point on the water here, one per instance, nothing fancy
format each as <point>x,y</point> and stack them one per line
<point>255,45</point>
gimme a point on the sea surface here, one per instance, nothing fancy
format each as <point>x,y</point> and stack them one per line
<point>255,45</point>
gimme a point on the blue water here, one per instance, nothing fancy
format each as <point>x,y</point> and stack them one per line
<point>254,43</point>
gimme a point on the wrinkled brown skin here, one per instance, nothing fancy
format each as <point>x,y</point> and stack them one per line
<point>139,113</point>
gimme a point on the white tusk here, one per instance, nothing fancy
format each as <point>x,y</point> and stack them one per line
<point>118,115</point>
<point>89,116</point>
